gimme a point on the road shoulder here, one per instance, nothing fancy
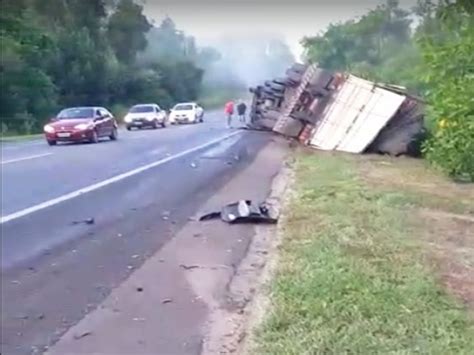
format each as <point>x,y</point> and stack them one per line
<point>169,305</point>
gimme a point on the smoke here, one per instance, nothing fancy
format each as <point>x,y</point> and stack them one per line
<point>245,61</point>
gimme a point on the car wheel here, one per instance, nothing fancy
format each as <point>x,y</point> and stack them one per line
<point>51,142</point>
<point>114,135</point>
<point>95,137</point>
<point>129,128</point>
<point>163,124</point>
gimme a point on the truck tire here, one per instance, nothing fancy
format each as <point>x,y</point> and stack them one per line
<point>277,87</point>
<point>281,81</point>
<point>298,68</point>
<point>294,77</point>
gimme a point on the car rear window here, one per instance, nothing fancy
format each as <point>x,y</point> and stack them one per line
<point>141,109</point>
<point>185,107</point>
<point>76,112</point>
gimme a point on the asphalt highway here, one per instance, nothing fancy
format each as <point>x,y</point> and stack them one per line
<point>77,219</point>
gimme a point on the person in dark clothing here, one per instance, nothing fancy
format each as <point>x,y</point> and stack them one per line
<point>241,109</point>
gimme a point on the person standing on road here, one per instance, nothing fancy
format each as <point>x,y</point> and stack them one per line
<point>241,109</point>
<point>229,111</point>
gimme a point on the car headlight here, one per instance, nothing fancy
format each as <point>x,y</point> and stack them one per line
<point>83,126</point>
<point>49,129</point>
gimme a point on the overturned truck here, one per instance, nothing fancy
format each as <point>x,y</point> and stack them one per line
<point>338,111</point>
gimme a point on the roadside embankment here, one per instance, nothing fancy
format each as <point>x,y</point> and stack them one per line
<point>377,256</point>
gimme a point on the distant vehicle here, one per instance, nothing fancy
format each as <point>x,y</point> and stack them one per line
<point>189,112</point>
<point>145,115</point>
<point>81,124</point>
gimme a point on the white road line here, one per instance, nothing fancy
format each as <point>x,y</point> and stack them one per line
<point>24,158</point>
<point>74,194</point>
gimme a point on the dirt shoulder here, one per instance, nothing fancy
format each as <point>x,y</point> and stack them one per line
<point>172,304</point>
<point>377,256</point>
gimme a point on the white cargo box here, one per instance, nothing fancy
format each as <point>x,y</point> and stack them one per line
<point>354,116</point>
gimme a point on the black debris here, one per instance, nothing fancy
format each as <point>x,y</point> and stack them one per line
<point>82,335</point>
<point>212,215</point>
<point>189,267</point>
<point>85,221</point>
<point>243,211</point>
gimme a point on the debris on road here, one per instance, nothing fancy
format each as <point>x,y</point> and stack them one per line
<point>82,335</point>
<point>243,211</point>
<point>338,111</point>
<point>88,221</point>
<point>167,300</point>
<point>165,215</point>
<point>189,267</point>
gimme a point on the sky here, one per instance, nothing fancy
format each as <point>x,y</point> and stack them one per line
<point>211,20</point>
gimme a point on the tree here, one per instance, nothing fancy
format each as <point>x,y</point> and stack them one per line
<point>126,31</point>
<point>58,53</point>
<point>27,90</point>
<point>450,77</point>
<point>377,46</point>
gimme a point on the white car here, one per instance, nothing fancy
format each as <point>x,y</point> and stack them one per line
<point>188,112</point>
<point>145,115</point>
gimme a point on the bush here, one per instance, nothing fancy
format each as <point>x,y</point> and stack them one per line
<point>450,76</point>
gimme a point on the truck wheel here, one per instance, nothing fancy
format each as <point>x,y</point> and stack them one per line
<point>298,68</point>
<point>294,77</point>
<point>277,87</point>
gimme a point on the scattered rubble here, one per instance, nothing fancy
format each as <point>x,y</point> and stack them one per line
<point>336,111</point>
<point>243,211</point>
<point>88,221</point>
<point>82,335</point>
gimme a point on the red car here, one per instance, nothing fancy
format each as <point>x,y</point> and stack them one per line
<point>81,124</point>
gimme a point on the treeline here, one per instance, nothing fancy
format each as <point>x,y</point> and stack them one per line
<point>429,50</point>
<point>58,53</point>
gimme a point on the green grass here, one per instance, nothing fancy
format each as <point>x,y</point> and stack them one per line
<point>14,138</point>
<point>351,277</point>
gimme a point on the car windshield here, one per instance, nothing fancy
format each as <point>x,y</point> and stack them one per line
<point>77,112</point>
<point>183,107</point>
<point>141,109</point>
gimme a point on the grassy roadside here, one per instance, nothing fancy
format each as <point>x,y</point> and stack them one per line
<point>15,138</point>
<point>359,269</point>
